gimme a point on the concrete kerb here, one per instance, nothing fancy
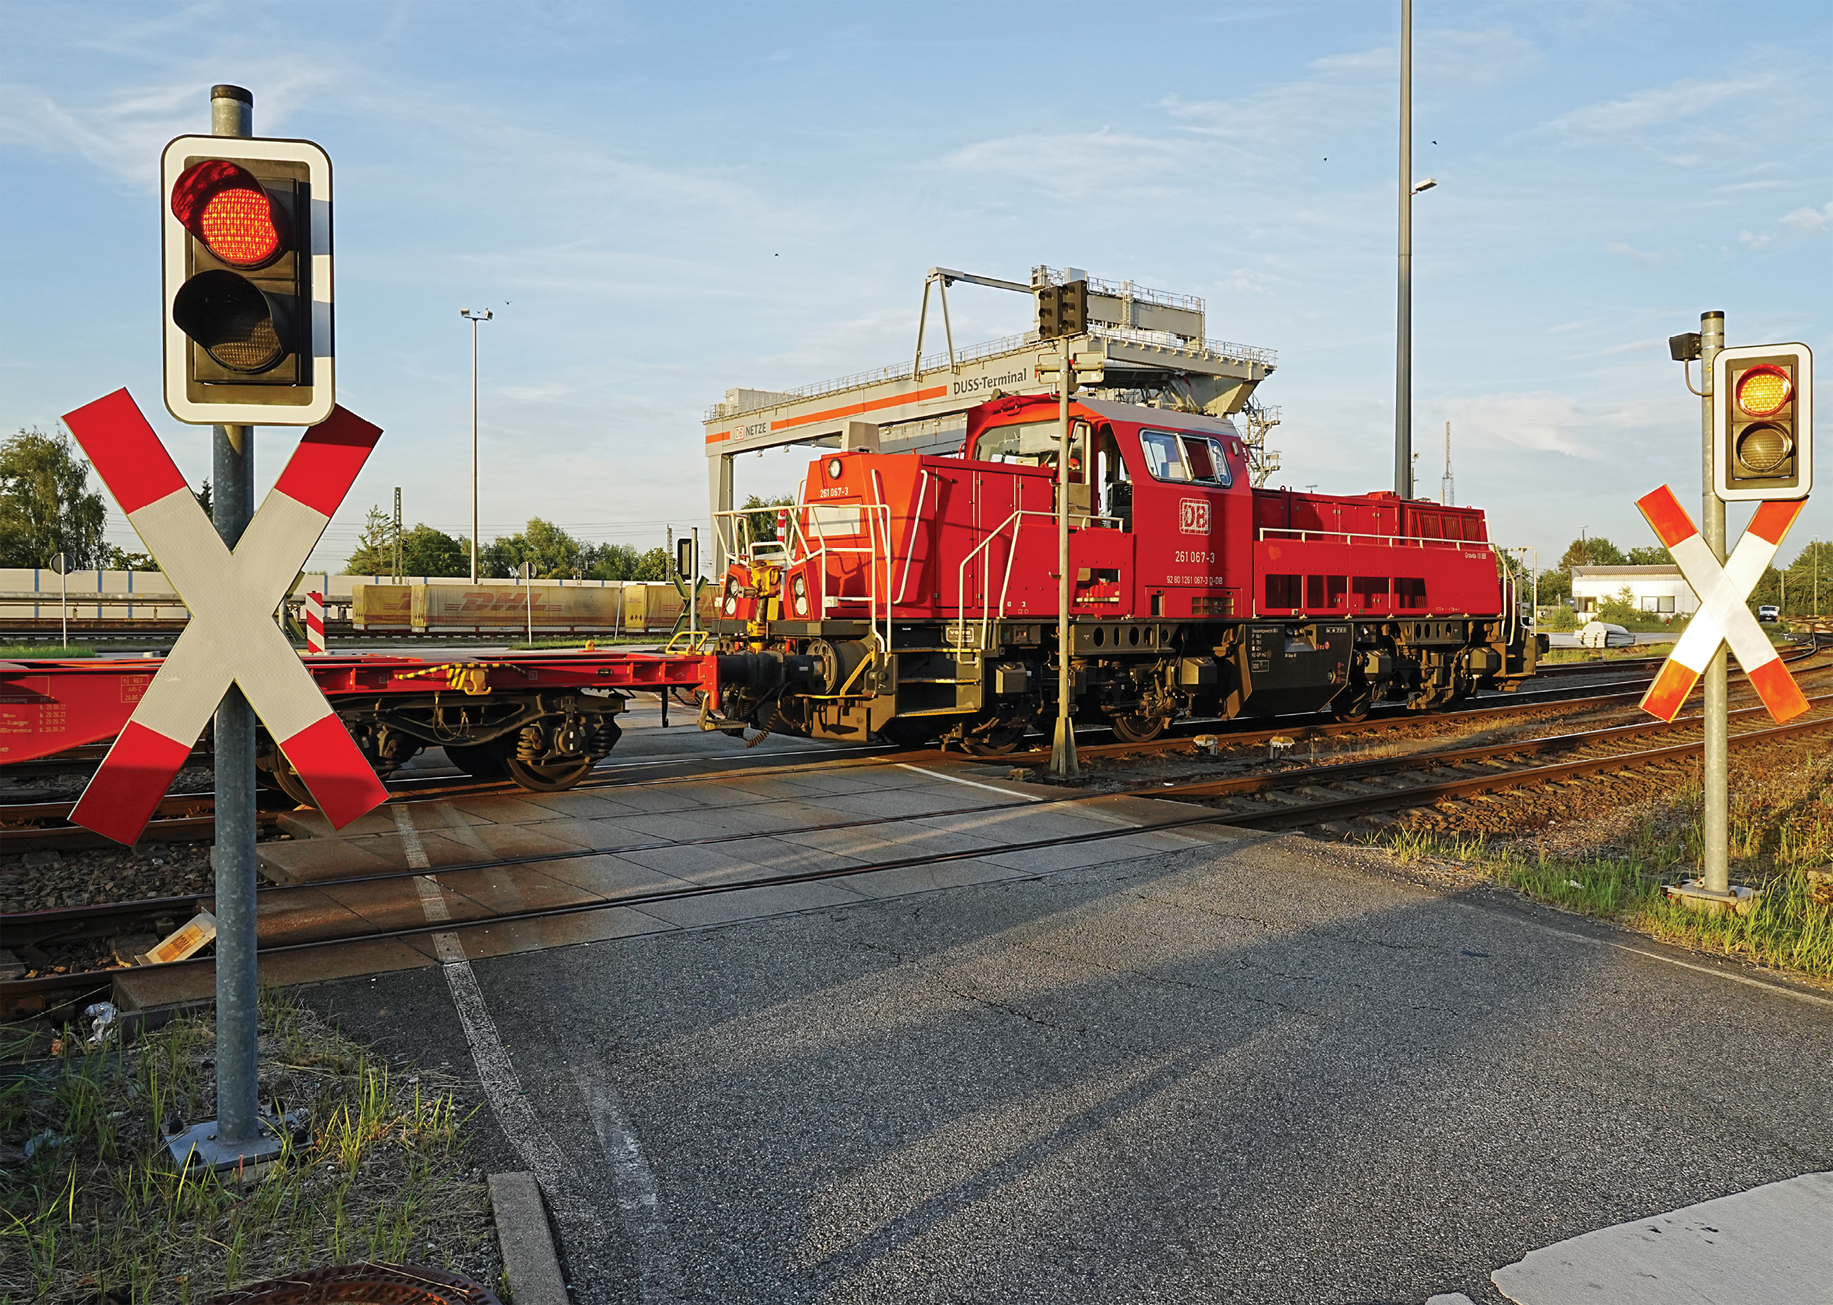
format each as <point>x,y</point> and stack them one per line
<point>529,1260</point>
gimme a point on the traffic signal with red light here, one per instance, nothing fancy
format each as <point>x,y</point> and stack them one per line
<point>1763,422</point>
<point>247,244</point>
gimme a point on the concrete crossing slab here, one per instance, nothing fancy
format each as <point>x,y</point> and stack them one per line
<point>1771,1243</point>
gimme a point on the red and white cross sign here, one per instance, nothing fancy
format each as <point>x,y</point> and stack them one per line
<point>232,636</point>
<point>1722,616</point>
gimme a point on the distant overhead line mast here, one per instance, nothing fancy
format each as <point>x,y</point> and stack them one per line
<point>1151,345</point>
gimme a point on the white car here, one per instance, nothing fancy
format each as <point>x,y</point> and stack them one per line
<point>1601,634</point>
<point>1769,612</point>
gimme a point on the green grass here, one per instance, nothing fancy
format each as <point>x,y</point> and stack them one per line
<point>102,1214</point>
<point>43,651</point>
<point>1565,656</point>
<point>1781,830</point>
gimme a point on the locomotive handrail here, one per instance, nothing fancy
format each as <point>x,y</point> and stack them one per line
<point>1006,583</point>
<point>873,516</point>
<point>1305,536</point>
<point>922,490</point>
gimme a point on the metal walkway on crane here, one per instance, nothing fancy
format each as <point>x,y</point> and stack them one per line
<point>1150,343</point>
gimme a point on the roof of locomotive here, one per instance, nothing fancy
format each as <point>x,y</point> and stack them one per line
<point>1136,413</point>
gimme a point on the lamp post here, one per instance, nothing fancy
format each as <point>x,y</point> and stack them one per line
<point>1403,333</point>
<point>474,319</point>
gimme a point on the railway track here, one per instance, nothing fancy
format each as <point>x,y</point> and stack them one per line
<point>186,818</point>
<point>1300,796</point>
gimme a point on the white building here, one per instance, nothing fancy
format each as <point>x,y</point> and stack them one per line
<point>1661,590</point>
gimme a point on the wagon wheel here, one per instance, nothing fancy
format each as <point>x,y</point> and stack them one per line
<point>549,776</point>
<point>478,760</point>
<point>287,780</point>
<point>1352,707</point>
<point>1139,729</point>
<point>996,742</point>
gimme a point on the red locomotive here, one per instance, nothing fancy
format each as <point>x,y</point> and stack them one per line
<point>915,597</point>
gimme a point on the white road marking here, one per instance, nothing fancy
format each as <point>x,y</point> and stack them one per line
<point>495,1072</point>
<point>1765,1244</point>
<point>1812,998</point>
<point>432,899</point>
<point>638,1201</point>
<point>971,783</point>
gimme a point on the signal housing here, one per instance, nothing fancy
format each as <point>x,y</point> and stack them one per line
<point>246,236</point>
<point>1763,422</point>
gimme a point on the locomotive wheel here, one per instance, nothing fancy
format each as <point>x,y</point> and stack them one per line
<point>1139,729</point>
<point>995,742</point>
<point>906,734</point>
<point>479,760</point>
<point>549,776</point>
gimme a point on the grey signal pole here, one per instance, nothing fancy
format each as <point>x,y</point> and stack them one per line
<point>1715,823</point>
<point>474,319</point>
<point>238,1124</point>
<point>1403,327</point>
<point>1063,747</point>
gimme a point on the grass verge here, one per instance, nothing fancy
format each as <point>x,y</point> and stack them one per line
<point>1781,842</point>
<point>97,1212</point>
<point>43,651</point>
<point>1565,656</point>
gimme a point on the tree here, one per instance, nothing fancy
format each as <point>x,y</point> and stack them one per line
<point>121,559</point>
<point>202,495</point>
<point>614,562</point>
<point>1555,586</point>
<point>763,524</point>
<point>375,547</point>
<point>1595,551</point>
<point>656,564</point>
<point>427,551</point>
<point>1653,555</point>
<point>46,506</point>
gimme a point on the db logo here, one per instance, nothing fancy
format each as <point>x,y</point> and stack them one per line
<point>1193,516</point>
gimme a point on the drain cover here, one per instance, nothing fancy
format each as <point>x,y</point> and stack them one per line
<point>363,1284</point>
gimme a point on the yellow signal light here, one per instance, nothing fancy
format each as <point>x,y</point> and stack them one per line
<point>1764,390</point>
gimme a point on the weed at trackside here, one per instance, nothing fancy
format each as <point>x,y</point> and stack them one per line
<point>98,1212</point>
<point>1781,837</point>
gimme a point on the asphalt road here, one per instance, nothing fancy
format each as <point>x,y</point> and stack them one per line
<point>1253,1071</point>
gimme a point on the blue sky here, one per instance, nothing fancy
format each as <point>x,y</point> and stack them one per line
<point>664,201</point>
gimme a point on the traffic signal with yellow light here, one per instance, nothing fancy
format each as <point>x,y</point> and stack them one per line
<point>247,245</point>
<point>1763,422</point>
<point>1062,310</point>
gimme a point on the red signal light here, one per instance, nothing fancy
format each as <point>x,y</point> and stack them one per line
<point>1764,390</point>
<point>223,206</point>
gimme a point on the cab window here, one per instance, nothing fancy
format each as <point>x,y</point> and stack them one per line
<point>1164,456</point>
<point>1191,459</point>
<point>1034,444</point>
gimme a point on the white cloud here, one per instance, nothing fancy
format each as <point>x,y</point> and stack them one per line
<point>1622,250</point>
<point>1538,419</point>
<point>1809,221</point>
